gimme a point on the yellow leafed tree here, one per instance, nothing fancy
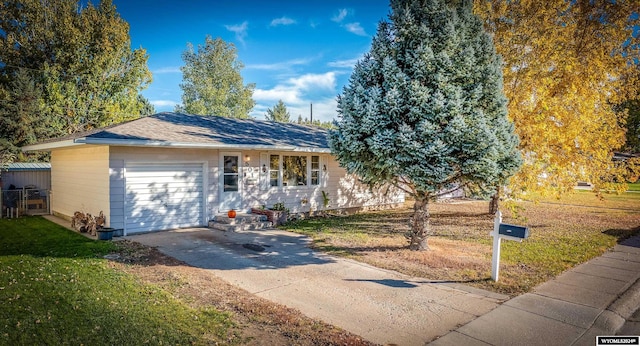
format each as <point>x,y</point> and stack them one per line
<point>566,65</point>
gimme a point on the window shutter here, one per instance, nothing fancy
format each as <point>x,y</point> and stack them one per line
<point>324,173</point>
<point>264,176</point>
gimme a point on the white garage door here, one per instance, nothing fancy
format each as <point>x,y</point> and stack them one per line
<point>160,197</point>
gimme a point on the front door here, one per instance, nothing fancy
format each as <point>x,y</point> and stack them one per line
<point>230,181</point>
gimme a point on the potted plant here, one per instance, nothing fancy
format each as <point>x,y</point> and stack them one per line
<point>280,214</point>
<point>277,214</point>
<point>105,233</point>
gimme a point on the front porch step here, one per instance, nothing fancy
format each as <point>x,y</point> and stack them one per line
<point>241,218</point>
<point>242,222</point>
<point>239,227</point>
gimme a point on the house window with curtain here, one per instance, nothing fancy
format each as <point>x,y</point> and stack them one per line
<point>294,170</point>
<point>274,170</point>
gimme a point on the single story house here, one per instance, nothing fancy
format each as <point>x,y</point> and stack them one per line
<point>173,170</point>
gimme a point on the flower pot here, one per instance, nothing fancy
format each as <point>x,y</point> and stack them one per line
<point>105,233</point>
<point>231,214</point>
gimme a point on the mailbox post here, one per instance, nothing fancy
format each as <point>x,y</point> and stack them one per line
<point>507,232</point>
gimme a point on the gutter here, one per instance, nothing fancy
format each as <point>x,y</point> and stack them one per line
<point>149,143</point>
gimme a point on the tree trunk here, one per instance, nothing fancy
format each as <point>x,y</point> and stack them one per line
<point>419,224</point>
<point>493,204</point>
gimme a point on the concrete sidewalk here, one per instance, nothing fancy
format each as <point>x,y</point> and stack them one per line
<point>598,298</point>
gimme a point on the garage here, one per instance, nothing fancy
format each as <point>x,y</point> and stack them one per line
<point>163,196</point>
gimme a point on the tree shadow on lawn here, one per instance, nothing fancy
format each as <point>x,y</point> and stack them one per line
<point>415,283</point>
<point>323,245</point>
<point>624,236</point>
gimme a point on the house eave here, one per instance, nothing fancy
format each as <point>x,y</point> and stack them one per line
<point>50,145</point>
<point>151,143</point>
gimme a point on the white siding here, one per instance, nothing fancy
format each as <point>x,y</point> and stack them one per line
<point>116,192</point>
<point>80,181</point>
<point>344,190</point>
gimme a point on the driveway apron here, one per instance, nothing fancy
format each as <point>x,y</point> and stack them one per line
<point>380,305</point>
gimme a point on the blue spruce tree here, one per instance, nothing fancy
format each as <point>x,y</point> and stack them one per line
<point>425,111</point>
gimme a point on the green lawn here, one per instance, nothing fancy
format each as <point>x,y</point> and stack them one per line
<point>56,288</point>
<point>634,187</point>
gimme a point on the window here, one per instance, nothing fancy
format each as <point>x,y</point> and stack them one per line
<point>274,170</point>
<point>294,170</point>
<point>315,170</point>
<point>230,173</point>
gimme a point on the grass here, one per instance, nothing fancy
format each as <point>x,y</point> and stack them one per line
<point>564,232</point>
<point>56,288</point>
<point>634,186</point>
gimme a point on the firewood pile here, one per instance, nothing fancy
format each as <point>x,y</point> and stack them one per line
<point>87,223</point>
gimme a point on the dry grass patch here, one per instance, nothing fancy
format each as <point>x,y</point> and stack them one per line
<point>564,233</point>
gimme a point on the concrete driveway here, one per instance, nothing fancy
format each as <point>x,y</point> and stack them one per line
<point>380,305</point>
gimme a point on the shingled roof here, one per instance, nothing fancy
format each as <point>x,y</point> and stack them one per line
<point>195,131</point>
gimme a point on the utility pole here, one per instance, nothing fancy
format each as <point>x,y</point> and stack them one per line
<point>311,110</point>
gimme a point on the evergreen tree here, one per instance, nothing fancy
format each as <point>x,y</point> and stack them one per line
<point>425,111</point>
<point>147,107</point>
<point>278,113</point>
<point>22,120</point>
<point>212,83</point>
<point>632,107</point>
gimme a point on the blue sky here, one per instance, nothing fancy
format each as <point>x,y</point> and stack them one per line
<point>299,51</point>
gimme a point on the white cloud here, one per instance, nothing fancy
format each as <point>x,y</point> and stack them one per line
<point>348,63</point>
<point>163,103</point>
<point>291,90</point>
<point>324,109</point>
<point>282,21</point>
<point>279,65</point>
<point>167,69</point>
<point>294,92</point>
<point>342,13</point>
<point>355,28</point>
<point>240,30</point>
<point>287,94</point>
<point>315,81</point>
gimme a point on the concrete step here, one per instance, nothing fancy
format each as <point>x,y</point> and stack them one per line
<point>241,218</point>
<point>239,227</point>
<point>242,222</point>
